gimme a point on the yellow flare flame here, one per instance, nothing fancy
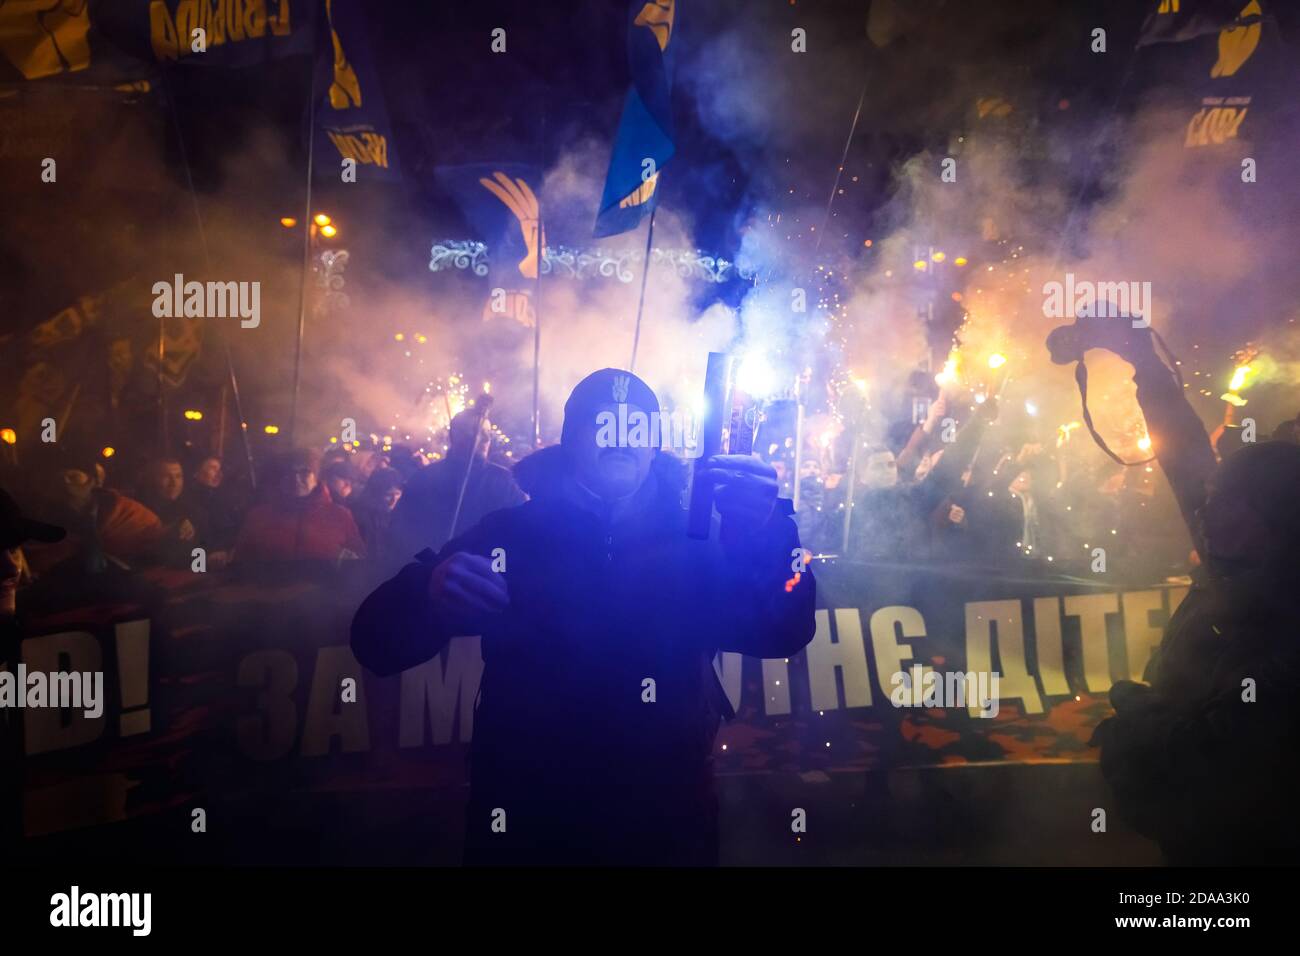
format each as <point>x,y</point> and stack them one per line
<point>1063,432</point>
<point>949,374</point>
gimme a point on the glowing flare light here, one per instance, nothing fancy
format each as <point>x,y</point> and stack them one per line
<point>949,375</point>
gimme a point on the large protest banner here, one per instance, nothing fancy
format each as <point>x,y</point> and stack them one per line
<point>224,685</point>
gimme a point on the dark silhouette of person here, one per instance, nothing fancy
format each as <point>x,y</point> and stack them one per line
<point>424,515</point>
<point>185,521</point>
<point>599,704</point>
<point>16,529</point>
<point>891,517</point>
<point>372,509</point>
<point>1201,755</point>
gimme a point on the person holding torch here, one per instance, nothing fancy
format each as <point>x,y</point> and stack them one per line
<point>600,618</point>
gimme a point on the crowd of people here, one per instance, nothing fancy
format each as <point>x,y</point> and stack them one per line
<point>308,506</point>
<point>1196,754</point>
<point>972,495</point>
<point>922,494</point>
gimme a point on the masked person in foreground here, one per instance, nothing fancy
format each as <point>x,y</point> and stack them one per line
<point>600,619</point>
<point>1201,756</point>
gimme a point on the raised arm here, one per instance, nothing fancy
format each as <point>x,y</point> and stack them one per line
<point>1181,445</point>
<point>945,478</point>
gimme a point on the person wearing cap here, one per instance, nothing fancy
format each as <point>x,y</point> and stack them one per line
<point>15,530</point>
<point>298,520</point>
<point>600,620</point>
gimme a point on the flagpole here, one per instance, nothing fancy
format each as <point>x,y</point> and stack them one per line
<point>839,171</point>
<point>207,261</point>
<point>645,274</point>
<point>798,438</point>
<point>162,387</point>
<point>537,334</point>
<point>307,229</point>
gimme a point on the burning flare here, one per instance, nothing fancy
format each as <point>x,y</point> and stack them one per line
<point>1242,378</point>
<point>949,375</point>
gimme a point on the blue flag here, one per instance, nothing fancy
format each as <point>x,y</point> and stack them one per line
<point>644,142</point>
<point>351,118</point>
<point>499,203</point>
<point>1177,21</point>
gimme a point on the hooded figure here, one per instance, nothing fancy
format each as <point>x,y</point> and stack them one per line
<point>600,620</point>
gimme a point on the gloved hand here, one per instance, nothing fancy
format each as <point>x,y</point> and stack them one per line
<point>465,587</point>
<point>745,489</point>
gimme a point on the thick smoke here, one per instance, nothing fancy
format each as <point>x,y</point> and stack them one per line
<point>1220,272</point>
<point>1116,198</point>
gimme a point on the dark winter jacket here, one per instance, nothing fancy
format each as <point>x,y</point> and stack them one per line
<point>172,548</point>
<point>1201,758</point>
<point>599,703</point>
<point>423,516</point>
<point>894,523</point>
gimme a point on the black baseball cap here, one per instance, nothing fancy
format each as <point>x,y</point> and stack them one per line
<point>15,528</point>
